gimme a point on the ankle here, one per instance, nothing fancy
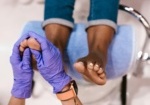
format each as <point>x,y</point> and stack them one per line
<point>58,35</point>
<point>100,37</point>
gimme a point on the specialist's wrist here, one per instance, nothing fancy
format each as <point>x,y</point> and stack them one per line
<point>67,87</point>
<point>70,91</point>
<point>59,81</point>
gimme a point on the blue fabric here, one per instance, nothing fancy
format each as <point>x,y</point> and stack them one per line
<point>99,9</point>
<point>59,9</point>
<point>103,9</point>
<point>120,53</point>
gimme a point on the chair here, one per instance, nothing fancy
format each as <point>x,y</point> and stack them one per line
<point>142,55</point>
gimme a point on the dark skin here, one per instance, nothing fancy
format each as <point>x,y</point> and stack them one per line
<point>92,66</point>
<point>58,35</point>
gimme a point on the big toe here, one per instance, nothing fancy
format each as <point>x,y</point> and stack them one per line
<point>79,66</point>
<point>33,44</point>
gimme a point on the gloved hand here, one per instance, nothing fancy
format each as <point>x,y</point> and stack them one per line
<point>49,63</point>
<point>22,71</point>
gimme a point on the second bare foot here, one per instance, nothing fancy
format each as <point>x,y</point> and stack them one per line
<point>92,68</point>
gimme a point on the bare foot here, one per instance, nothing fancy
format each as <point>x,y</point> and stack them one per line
<point>23,45</point>
<point>33,44</point>
<point>92,66</point>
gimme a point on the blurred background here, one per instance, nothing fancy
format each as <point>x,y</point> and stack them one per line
<point>15,13</point>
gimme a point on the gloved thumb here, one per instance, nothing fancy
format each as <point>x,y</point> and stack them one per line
<point>38,56</point>
<point>26,59</point>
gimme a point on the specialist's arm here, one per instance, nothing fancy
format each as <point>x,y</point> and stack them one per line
<point>16,101</point>
<point>22,73</point>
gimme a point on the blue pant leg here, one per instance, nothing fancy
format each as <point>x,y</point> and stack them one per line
<point>103,9</point>
<point>62,9</point>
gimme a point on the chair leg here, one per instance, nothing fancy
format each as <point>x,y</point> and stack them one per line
<point>123,94</point>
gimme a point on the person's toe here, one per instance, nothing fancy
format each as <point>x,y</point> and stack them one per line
<point>21,49</point>
<point>96,78</point>
<point>23,45</point>
<point>33,44</point>
<point>90,66</point>
<point>102,75</point>
<point>96,67</point>
<point>100,71</point>
<point>79,66</point>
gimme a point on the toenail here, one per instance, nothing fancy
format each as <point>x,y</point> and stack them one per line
<point>96,65</point>
<point>91,64</point>
<point>80,63</point>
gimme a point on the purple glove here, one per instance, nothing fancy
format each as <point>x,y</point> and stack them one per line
<point>22,72</point>
<point>49,63</point>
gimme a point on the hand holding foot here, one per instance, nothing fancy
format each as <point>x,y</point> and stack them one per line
<point>49,61</point>
<point>32,44</point>
<point>22,71</point>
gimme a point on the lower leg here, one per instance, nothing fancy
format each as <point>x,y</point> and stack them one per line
<point>58,35</point>
<point>99,37</point>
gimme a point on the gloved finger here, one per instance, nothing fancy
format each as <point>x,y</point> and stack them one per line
<point>21,39</point>
<point>38,57</point>
<point>15,58</point>
<point>26,60</point>
<point>49,51</point>
<point>51,55</point>
<point>42,40</point>
<point>17,44</point>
